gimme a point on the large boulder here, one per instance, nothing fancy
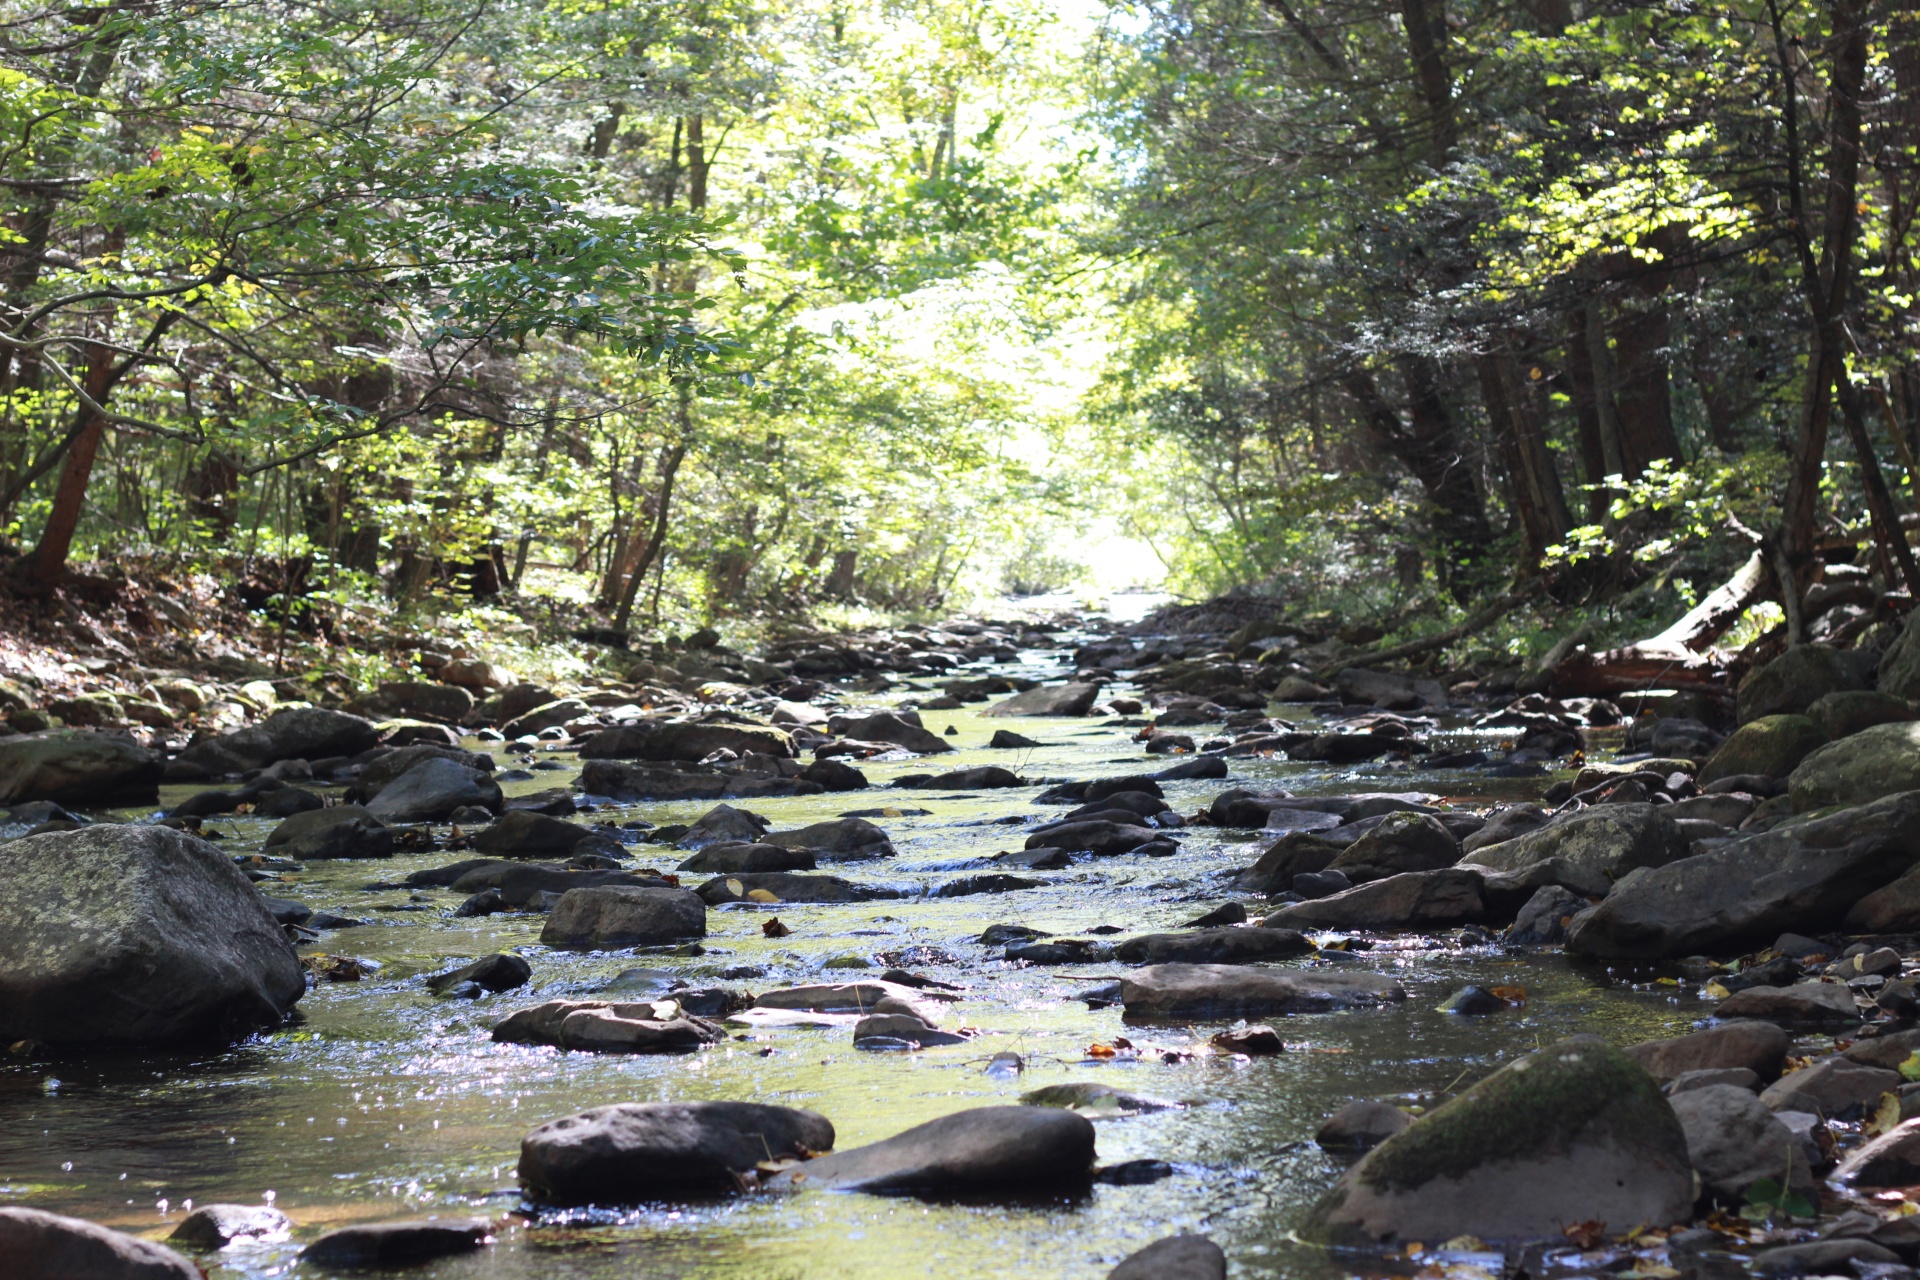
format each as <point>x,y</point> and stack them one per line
<point>1189,991</point>
<point>613,917</point>
<point>1843,714</point>
<point>416,700</point>
<point>1411,900</point>
<point>135,935</point>
<point>35,1245</point>
<point>521,833</point>
<point>1800,677</point>
<point>431,790</point>
<point>836,840</point>
<point>1575,1132</point>
<point>1900,664</point>
<point>1759,1047</point>
<point>343,831</point>
<point>1771,746</point>
<point>1212,946</point>
<point>83,769</point>
<point>687,742</point>
<point>1048,700</point>
<point>1802,876</point>
<point>987,1150</point>
<point>637,1151</point>
<point>382,771</point>
<point>303,733</point>
<point>1734,1141</point>
<point>1612,839</point>
<point>885,726</point>
<point>1401,842</point>
<point>1875,762</point>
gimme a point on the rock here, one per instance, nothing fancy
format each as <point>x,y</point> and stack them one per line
<point>1771,745</point>
<point>513,702</point>
<point>475,673</point>
<point>344,831</point>
<point>988,1150</point>
<point>1256,1041</point>
<point>967,886</point>
<point>521,833</point>
<point>214,1226</point>
<point>1008,740</point>
<point>1831,1087</point>
<point>1575,1132</point>
<point>1047,700</point>
<point>1824,1257</point>
<point>618,780</point>
<point>398,1244</point>
<point>35,1245</point>
<point>1361,1125</point>
<point>1175,1258</point>
<point>1888,1049</point>
<point>135,935</point>
<point>1412,900</point>
<point>287,801</point>
<point>1101,837</point>
<point>433,789</point>
<point>502,972</point>
<point>1880,761</point>
<point>1804,875</point>
<point>304,733</point>
<point>735,858</point>
<point>638,1151</point>
<point>1890,1160</point>
<point>979,778</point>
<point>1734,1141</point>
<point>788,887</point>
<point>1845,713</point>
<point>838,840</point>
<point>691,743</point>
<point>1612,839</point>
<point>1212,946</point>
<point>1760,1047</point>
<point>885,726</point>
<point>1738,1077</point>
<point>1798,678</point>
<point>1401,842</point>
<point>1472,1002</point>
<point>548,715</point>
<point>417,700</point>
<point>834,775</point>
<point>1507,824</point>
<point>613,917</point>
<point>1805,1003</point>
<point>70,766</point>
<point>659,1029</point>
<point>1189,991</point>
<point>381,772</point>
<point>1543,920</point>
<point>901,1031</point>
<point>724,824</point>
<point>1394,693</point>
<point>857,997</point>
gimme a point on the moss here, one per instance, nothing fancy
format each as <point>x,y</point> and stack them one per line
<point>1528,1109</point>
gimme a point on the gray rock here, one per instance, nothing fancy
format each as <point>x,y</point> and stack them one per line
<point>501,972</point>
<point>691,743</point>
<point>837,840</point>
<point>1881,761</point>
<point>214,1226</point>
<point>1400,842</point>
<point>432,790</point>
<point>885,726</point>
<point>1212,946</point>
<point>1772,746</point>
<point>1413,900</point>
<point>35,1245</point>
<point>548,715</point>
<point>381,771</point>
<point>1611,839</point>
<point>1085,1095</point>
<point>1899,673</point>
<point>1508,824</point>
<point>734,858</point>
<point>304,733</point>
<point>1395,693</point>
<point>398,1244</point>
<point>520,833</point>
<point>987,1150</point>
<point>984,777</point>
<point>1735,1077</point>
<point>637,1151</point>
<point>77,767</point>
<point>1831,1087</point>
<point>1543,920</point>
<point>1100,837</point>
<point>1191,991</point>
<point>1760,1047</point>
<point>1888,1050</point>
<point>1803,1004</point>
<point>1734,1141</point>
<point>787,886</point>
<point>724,824</point>
<point>1175,1258</point>
<point>344,831</point>
<point>1890,1160</point>
<point>612,917</point>
<point>416,699</point>
<point>1821,1258</point>
<point>1798,678</point>
<point>135,935</point>
<point>1574,1132</point>
<point>1841,715</point>
<point>1047,700</point>
<point>620,780</point>
<point>1803,875</point>
<point>1361,1125</point>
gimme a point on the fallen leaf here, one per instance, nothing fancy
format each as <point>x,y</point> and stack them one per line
<point>1585,1235</point>
<point>761,895</point>
<point>735,888</point>
<point>1098,1050</point>
<point>1886,1116</point>
<point>1512,995</point>
<point>1910,1069</point>
<point>772,928</point>
<point>1714,991</point>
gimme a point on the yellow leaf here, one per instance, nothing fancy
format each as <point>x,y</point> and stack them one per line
<point>1714,991</point>
<point>760,895</point>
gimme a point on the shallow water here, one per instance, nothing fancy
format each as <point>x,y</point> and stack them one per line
<point>389,1103</point>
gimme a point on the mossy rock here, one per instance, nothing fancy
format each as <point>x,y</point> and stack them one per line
<point>1800,677</point>
<point>1881,761</point>
<point>1849,711</point>
<point>1576,1132</point>
<point>1611,839</point>
<point>1771,746</point>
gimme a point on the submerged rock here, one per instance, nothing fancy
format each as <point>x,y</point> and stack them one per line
<point>1189,991</point>
<point>214,1226</point>
<point>1361,1125</point>
<point>638,1151</point>
<point>35,1245</point>
<point>1576,1132</point>
<point>987,1150</point>
<point>1212,946</point>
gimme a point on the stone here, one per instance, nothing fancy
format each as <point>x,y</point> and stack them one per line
<point>982,777</point>
<point>1825,1257</point>
<point>1047,700</point>
<point>1760,1047</point>
<point>789,887</point>
<point>432,790</point>
<point>1507,824</point>
<point>901,1031</point>
<point>691,743</point>
<point>1612,839</point>
<point>1543,920</point>
<point>382,1245</point>
<point>1881,761</point>
<point>548,715</point>
<point>1412,900</point>
<point>520,883</point>
<point>1803,875</point>
<point>613,917</point>
<point>1805,1003</point>
<point>287,801</point>
<point>71,766</point>
<point>734,858</point>
<point>302,733</point>
<point>834,775</point>
<point>1361,1125</point>
<point>501,972</point>
<point>723,824</point>
<point>381,771</point>
<point>1831,1087</point>
<point>620,780</point>
<point>343,831</point>
<point>475,673</point>
<point>1392,692</point>
<point>1843,714</point>
<point>610,1030</point>
<point>417,700</point>
<point>1738,1077</point>
<point>215,1226</point>
<point>1256,1041</point>
<point>629,1152</point>
<point>857,997</point>
<point>1192,991</point>
<point>885,726</point>
<point>837,840</point>
<point>1575,1132</point>
<point>1888,1049</point>
<point>1798,678</point>
<point>1293,855</point>
<point>1890,1160</point>
<point>136,935</point>
<point>1771,745</point>
<point>521,833</point>
<point>1008,740</point>
<point>1100,837</point>
<point>987,1150</point>
<point>1734,1141</point>
<point>1400,842</point>
<point>1175,1258</point>
<point>35,1245</point>
<point>1212,946</point>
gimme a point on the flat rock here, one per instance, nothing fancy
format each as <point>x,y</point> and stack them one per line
<point>732,857</point>
<point>611,917</point>
<point>787,886</point>
<point>691,743</point>
<point>1611,839</point>
<point>1830,1087</point>
<point>1212,946</point>
<point>1411,900</point>
<point>1190,991</point>
<point>398,1244</point>
<point>1048,700</point>
<point>985,1151</point>
<point>1804,1003</point>
<point>638,1151</point>
<point>1760,1047</point>
<point>35,1245</point>
<point>78,767</point>
<point>1890,1160</point>
<point>214,1226</point>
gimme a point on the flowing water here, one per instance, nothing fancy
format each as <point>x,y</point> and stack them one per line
<point>388,1103</point>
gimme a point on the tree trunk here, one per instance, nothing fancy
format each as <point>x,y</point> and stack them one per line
<point>1537,497</point>
<point>56,539</point>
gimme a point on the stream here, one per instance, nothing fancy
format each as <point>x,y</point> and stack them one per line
<point>386,1102</point>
